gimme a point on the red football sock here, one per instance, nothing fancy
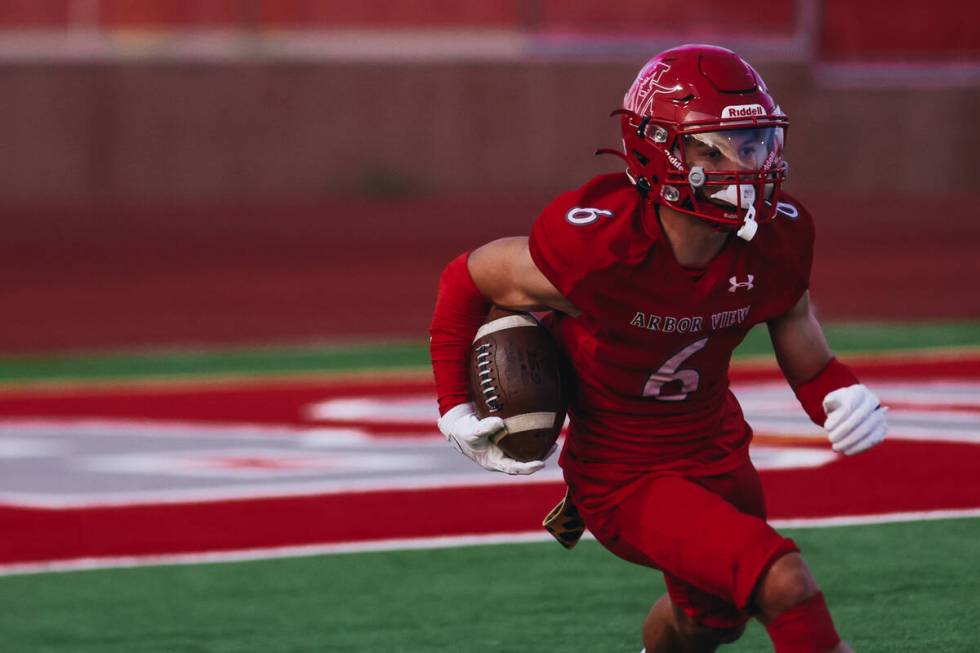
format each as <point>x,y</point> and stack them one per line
<point>460,310</point>
<point>804,628</point>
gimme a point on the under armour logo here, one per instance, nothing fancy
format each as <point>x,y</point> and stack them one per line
<point>736,284</point>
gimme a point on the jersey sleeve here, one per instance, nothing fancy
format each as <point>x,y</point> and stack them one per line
<point>577,233</point>
<point>555,249</point>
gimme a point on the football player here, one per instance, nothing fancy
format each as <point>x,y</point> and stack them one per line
<point>653,278</point>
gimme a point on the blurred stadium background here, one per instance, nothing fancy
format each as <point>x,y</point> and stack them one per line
<point>241,187</point>
<point>215,171</point>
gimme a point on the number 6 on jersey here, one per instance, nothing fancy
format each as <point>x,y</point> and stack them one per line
<point>668,372</point>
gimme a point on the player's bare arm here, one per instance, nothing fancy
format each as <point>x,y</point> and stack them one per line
<point>798,340</point>
<point>830,393</point>
<point>500,273</point>
<point>505,273</point>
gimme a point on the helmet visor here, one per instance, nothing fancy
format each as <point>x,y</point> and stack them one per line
<point>757,149</point>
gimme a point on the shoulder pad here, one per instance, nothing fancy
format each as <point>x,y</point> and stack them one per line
<point>792,225</point>
<point>585,229</point>
<point>788,239</point>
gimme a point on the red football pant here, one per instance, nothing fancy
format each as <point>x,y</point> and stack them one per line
<point>707,534</point>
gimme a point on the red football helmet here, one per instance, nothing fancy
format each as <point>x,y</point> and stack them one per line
<point>702,135</point>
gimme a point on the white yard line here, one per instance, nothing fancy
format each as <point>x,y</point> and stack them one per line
<point>409,544</point>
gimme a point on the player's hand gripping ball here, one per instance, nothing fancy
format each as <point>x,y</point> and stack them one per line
<point>515,374</point>
<point>472,437</point>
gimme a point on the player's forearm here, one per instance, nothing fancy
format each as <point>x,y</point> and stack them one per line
<point>816,376</point>
<point>800,345</point>
<point>460,309</point>
<point>467,288</point>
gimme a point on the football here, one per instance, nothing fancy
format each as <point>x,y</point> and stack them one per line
<point>515,374</point>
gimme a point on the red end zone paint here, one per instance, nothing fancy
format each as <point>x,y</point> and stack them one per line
<point>251,403</point>
<point>258,283</point>
<point>898,476</point>
<point>884,480</point>
<point>231,525</point>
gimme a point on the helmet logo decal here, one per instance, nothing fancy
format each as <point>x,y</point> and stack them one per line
<point>639,98</point>
<point>743,111</point>
<point>581,217</point>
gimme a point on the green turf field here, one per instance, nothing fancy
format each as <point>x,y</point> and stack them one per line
<point>893,588</point>
<point>319,359</point>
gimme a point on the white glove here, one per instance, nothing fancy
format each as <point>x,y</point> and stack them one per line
<point>855,419</point>
<point>471,437</point>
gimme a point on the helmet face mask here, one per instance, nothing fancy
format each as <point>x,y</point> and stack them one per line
<point>702,135</point>
<point>744,149</point>
<point>732,162</point>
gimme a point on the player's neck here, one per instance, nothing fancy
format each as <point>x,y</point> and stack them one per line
<point>694,243</point>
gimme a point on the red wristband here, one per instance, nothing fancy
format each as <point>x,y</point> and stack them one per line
<point>833,376</point>
<point>460,310</point>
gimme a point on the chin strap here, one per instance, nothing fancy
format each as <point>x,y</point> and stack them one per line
<point>730,195</point>
<point>749,226</point>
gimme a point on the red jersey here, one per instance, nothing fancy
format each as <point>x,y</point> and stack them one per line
<point>652,345</point>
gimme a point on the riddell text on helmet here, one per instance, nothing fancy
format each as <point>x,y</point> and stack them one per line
<point>743,111</point>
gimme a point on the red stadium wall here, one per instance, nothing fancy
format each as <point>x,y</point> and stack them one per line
<point>153,197</point>
<point>845,29</point>
<point>171,131</point>
<point>359,269</point>
<point>383,14</point>
<point>888,30</point>
<point>587,15</point>
<point>667,17</point>
<point>34,14</point>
